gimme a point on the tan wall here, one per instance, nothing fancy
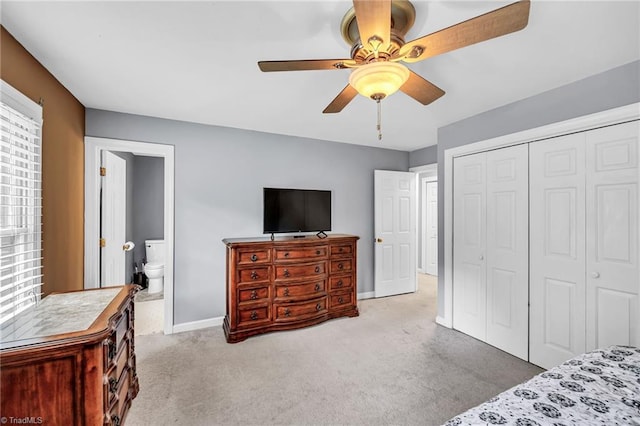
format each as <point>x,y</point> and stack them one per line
<point>63,164</point>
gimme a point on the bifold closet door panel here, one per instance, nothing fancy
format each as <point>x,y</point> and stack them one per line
<point>612,273</point>
<point>507,250</point>
<point>557,249</point>
<point>469,238</point>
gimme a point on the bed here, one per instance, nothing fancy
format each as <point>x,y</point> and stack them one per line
<point>600,387</point>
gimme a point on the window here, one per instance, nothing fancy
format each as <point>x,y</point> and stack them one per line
<point>20,203</point>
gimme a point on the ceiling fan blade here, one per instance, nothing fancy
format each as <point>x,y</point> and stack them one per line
<point>306,64</point>
<point>420,89</point>
<point>507,19</point>
<point>374,19</point>
<point>341,101</point>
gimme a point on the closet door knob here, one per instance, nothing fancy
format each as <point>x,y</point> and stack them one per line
<point>595,274</point>
<point>481,257</point>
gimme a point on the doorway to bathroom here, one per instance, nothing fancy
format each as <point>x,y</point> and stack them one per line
<point>144,203</point>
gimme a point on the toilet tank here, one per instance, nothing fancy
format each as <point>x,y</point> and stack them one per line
<point>154,250</point>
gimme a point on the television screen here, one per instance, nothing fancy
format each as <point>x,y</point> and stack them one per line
<point>296,210</point>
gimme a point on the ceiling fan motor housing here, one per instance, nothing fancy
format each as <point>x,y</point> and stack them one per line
<point>403,16</point>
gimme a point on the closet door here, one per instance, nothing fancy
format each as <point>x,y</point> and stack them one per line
<point>507,250</point>
<point>613,274</point>
<point>557,254</point>
<point>469,237</point>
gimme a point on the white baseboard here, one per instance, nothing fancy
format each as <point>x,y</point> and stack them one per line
<point>197,325</point>
<point>366,295</point>
<point>441,321</point>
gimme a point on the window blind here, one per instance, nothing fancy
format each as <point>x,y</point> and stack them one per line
<point>20,205</point>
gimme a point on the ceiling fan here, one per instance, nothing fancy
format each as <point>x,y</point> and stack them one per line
<point>375,29</point>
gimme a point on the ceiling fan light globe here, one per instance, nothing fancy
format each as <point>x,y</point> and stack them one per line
<point>379,78</point>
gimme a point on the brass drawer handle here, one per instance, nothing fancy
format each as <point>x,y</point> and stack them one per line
<point>317,252</point>
<point>340,300</point>
<point>340,249</point>
<point>317,287</point>
<point>318,307</point>
<point>254,315</point>
<point>340,266</point>
<point>317,269</point>
<point>339,283</point>
<point>254,257</point>
<point>113,385</point>
<point>286,291</point>
<point>286,254</point>
<point>254,275</point>
<point>254,295</point>
<point>286,273</point>
<point>287,312</point>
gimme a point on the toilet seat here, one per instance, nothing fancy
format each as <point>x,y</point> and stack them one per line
<point>152,265</point>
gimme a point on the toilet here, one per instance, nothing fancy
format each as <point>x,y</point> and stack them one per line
<point>154,268</point>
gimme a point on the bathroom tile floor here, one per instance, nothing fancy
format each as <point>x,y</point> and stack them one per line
<point>144,296</point>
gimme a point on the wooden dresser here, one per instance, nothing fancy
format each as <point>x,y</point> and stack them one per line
<point>71,360</point>
<point>288,283</point>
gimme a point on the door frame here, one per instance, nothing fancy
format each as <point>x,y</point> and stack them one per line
<point>426,173</point>
<point>579,124</point>
<point>92,149</point>
<point>425,220</point>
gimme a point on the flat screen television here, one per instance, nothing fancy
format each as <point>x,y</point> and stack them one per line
<point>296,210</point>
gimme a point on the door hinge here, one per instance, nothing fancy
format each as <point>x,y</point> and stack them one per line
<point>103,171</point>
<point>103,242</point>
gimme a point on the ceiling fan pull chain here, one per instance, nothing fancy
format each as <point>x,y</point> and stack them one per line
<point>379,126</point>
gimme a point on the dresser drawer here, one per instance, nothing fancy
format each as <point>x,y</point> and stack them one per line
<point>338,300</point>
<point>114,375</point>
<point>250,317</point>
<point>341,249</point>
<point>284,272</point>
<point>122,402</point>
<point>297,253</point>
<point>254,275</point>
<point>303,289</point>
<point>254,256</point>
<point>340,282</point>
<point>252,294</point>
<point>122,327</point>
<point>338,266</point>
<point>301,310</point>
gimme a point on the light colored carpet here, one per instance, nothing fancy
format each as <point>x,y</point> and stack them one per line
<point>392,365</point>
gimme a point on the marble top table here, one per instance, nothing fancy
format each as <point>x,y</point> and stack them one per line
<point>59,314</point>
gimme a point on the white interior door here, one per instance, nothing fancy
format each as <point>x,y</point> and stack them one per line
<point>395,232</point>
<point>431,229</point>
<point>469,238</point>
<point>557,264</point>
<point>113,220</point>
<point>613,275</point>
<point>507,250</point>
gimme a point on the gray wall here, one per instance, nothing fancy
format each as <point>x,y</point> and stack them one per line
<point>424,156</point>
<point>148,203</point>
<point>614,88</point>
<point>219,176</point>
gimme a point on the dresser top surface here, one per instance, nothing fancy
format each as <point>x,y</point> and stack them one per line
<point>306,239</point>
<point>58,314</point>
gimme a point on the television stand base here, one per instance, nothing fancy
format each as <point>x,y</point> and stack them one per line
<point>321,235</point>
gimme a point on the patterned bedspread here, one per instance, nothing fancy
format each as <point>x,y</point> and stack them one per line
<point>597,388</point>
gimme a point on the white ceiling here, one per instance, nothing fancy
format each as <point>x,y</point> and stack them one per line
<point>196,61</point>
